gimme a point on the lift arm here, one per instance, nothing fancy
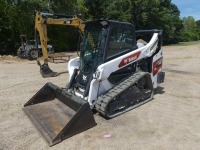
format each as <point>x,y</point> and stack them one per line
<point>41,22</point>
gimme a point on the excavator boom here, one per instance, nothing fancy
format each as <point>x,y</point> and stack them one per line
<point>41,22</point>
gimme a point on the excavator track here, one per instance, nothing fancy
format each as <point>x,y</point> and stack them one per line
<point>129,94</point>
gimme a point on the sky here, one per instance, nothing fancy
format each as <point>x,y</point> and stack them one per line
<point>188,8</point>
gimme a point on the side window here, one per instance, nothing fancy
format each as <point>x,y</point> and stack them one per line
<point>121,39</point>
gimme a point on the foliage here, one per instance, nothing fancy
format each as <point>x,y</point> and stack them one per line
<point>187,43</point>
<point>198,23</point>
<point>63,6</point>
<point>6,27</point>
<point>191,32</point>
<point>23,15</point>
<point>189,23</point>
<point>95,8</point>
<point>82,9</point>
<point>67,38</point>
<point>119,10</point>
<point>160,14</point>
<point>17,17</point>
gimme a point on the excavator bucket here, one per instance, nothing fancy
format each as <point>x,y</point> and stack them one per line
<point>46,72</point>
<point>57,114</point>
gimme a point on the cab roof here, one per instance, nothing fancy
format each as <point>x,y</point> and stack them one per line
<point>105,22</point>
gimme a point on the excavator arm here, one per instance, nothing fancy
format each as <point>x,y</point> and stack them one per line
<point>41,22</point>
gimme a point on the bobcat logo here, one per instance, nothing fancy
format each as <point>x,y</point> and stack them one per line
<point>84,78</point>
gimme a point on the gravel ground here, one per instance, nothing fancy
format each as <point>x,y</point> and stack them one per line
<point>170,121</point>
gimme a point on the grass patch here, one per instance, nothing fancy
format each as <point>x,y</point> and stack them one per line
<point>187,43</point>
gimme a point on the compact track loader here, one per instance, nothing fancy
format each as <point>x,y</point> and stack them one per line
<point>113,75</point>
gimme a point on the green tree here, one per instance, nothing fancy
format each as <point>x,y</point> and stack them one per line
<point>63,6</point>
<point>82,9</point>
<point>160,14</point>
<point>96,8</point>
<point>198,23</point>
<point>118,10</point>
<point>170,22</point>
<point>7,41</point>
<point>190,32</point>
<point>64,38</point>
<point>18,17</point>
<point>189,23</point>
<point>23,15</point>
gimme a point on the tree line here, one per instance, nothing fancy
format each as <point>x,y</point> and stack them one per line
<point>17,17</point>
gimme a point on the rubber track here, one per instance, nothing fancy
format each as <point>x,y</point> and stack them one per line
<point>103,100</point>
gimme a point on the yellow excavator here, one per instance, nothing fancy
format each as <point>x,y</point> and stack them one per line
<point>41,22</point>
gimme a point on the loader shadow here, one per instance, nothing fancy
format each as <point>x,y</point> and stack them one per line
<point>159,90</point>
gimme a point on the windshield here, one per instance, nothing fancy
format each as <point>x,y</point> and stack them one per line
<point>91,48</point>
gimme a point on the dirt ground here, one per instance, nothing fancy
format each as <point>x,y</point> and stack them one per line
<point>170,121</point>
